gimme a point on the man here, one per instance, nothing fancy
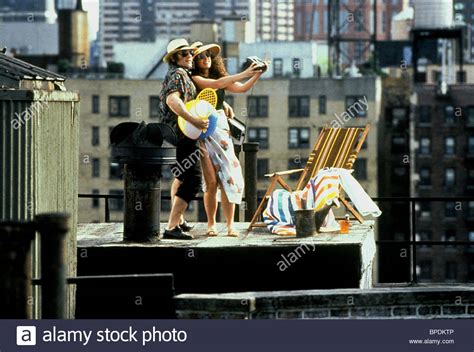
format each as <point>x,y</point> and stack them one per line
<point>178,88</point>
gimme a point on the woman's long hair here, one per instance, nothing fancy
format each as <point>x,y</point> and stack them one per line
<point>217,69</point>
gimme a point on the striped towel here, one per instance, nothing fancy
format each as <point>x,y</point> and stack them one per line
<point>321,190</point>
<point>279,215</point>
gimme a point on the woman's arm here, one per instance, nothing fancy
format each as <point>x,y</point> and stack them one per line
<point>223,82</point>
<point>238,87</point>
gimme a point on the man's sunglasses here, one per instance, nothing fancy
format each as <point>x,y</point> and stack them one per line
<point>184,53</point>
<point>204,55</point>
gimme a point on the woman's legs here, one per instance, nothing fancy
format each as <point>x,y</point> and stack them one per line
<point>228,209</point>
<point>210,196</point>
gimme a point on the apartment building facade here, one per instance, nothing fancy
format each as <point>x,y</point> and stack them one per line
<point>444,154</point>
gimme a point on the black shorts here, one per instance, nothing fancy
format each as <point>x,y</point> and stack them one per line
<point>187,168</point>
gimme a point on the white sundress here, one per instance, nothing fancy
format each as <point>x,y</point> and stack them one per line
<point>220,148</point>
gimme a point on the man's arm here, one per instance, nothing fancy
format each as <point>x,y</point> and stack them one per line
<point>175,103</point>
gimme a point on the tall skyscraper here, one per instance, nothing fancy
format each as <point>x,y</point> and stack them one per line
<point>144,20</point>
<point>274,20</point>
<point>65,4</point>
<point>464,13</point>
<point>27,11</point>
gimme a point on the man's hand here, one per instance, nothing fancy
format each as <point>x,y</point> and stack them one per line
<point>229,112</point>
<point>200,123</point>
<point>176,104</point>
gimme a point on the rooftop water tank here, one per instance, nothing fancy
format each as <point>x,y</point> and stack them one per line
<point>433,14</point>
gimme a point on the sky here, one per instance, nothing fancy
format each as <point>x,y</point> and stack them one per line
<point>92,7</point>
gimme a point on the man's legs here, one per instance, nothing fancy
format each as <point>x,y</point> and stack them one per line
<point>177,210</point>
<point>174,188</point>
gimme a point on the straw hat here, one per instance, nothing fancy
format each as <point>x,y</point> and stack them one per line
<point>200,48</point>
<point>174,46</point>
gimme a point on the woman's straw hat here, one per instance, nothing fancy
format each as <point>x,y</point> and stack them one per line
<point>214,49</point>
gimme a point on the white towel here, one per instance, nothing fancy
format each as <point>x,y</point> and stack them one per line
<point>362,202</point>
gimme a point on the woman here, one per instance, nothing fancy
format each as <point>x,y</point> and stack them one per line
<point>220,166</point>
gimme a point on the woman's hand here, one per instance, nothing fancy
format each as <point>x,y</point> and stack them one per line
<point>228,111</point>
<point>251,70</point>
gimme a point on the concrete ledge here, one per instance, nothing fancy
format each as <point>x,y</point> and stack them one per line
<point>380,303</point>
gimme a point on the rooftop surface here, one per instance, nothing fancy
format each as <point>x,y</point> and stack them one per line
<point>111,234</point>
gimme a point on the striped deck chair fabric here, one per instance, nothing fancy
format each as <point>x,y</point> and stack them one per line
<point>337,147</point>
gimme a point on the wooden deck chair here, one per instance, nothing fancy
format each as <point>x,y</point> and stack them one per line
<point>335,147</point>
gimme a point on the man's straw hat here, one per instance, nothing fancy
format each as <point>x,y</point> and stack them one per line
<point>174,46</point>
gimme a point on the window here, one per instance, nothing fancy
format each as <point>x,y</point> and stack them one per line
<point>325,22</point>
<point>384,22</point>
<point>116,204</point>
<point>399,143</point>
<point>95,136</point>
<point>95,104</point>
<point>425,236</point>
<point>322,105</point>
<point>262,168</point>
<point>450,209</point>
<point>258,106</point>
<point>298,106</point>
<point>356,106</point>
<point>470,209</point>
<point>451,271</point>
<point>449,114</point>
<point>424,270</point>
<point>449,177</point>
<point>277,67</point>
<point>399,116</point>
<point>470,115</point>
<point>296,163</point>
<point>425,176</point>
<point>424,113</point>
<point>154,103</point>
<point>461,76</point>
<point>298,138</point>
<point>297,66</point>
<point>425,210</point>
<point>260,135</point>
<point>96,167</point>
<point>449,236</point>
<point>470,145</point>
<point>449,146</point>
<point>470,178</point>
<point>425,145</point>
<point>315,20</point>
<point>360,169</point>
<point>119,106</point>
<point>95,201</point>
<point>115,171</point>
<point>359,21</point>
